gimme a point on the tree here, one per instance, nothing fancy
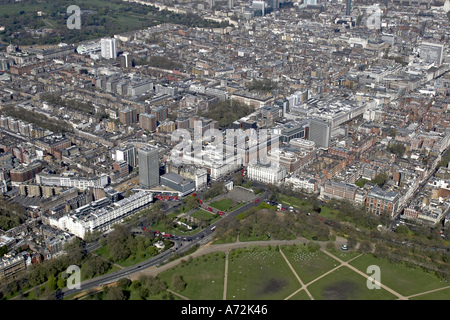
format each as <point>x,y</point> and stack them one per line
<point>237,179</point>
<point>381,251</point>
<point>266,85</point>
<point>381,179</point>
<point>177,283</point>
<point>191,203</point>
<point>365,246</point>
<point>402,229</point>
<point>352,241</point>
<point>119,251</point>
<point>313,246</point>
<point>61,282</point>
<point>94,267</point>
<point>392,132</point>
<point>115,293</point>
<point>397,148</point>
<point>225,112</point>
<point>123,283</point>
<point>51,283</point>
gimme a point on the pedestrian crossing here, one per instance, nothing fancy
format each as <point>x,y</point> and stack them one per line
<point>205,240</point>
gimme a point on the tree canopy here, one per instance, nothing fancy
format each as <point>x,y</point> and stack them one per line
<point>226,112</point>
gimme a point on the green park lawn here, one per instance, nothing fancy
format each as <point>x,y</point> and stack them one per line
<point>222,205</point>
<point>327,212</point>
<point>204,276</point>
<point>259,274</point>
<point>131,260</point>
<point>308,265</point>
<point>208,216</point>
<point>345,284</point>
<point>294,202</point>
<point>399,277</point>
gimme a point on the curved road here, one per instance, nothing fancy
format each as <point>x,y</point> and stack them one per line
<point>157,260</point>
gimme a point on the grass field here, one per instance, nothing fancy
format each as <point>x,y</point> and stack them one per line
<point>261,274</point>
<point>133,259</point>
<point>294,202</point>
<point>204,277</point>
<point>308,265</point>
<point>222,205</point>
<point>208,216</point>
<point>327,212</point>
<point>345,284</point>
<point>399,277</point>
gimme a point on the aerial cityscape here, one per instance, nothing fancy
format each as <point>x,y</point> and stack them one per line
<point>224,150</point>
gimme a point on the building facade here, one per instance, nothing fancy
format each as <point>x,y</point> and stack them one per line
<point>148,167</point>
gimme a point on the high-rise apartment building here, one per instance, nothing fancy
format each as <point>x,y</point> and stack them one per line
<point>125,60</point>
<point>147,121</point>
<point>127,154</point>
<point>320,132</point>
<point>348,8</point>
<point>148,167</point>
<point>109,48</point>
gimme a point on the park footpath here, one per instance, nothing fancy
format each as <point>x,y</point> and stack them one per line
<point>227,247</point>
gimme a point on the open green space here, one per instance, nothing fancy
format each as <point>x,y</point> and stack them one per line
<point>345,284</point>
<point>101,18</point>
<point>173,214</point>
<point>401,278</point>
<point>203,214</point>
<point>229,237</point>
<point>139,256</point>
<point>203,276</point>
<point>259,273</point>
<point>222,205</point>
<point>206,215</point>
<point>326,212</point>
<point>294,202</point>
<point>308,265</point>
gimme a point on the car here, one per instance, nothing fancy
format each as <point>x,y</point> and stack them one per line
<point>344,247</point>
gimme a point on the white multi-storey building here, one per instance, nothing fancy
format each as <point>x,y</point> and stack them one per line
<point>109,48</point>
<point>71,180</point>
<point>273,174</point>
<point>100,215</point>
<point>298,183</point>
